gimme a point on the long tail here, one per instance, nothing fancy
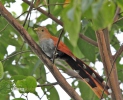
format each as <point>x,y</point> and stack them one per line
<point>93,79</point>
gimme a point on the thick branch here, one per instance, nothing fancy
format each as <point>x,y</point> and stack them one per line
<point>60,79</point>
<point>107,61</point>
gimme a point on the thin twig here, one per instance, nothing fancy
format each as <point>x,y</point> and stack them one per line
<point>15,54</point>
<point>57,45</point>
<point>118,53</point>
<point>118,20</point>
<point>48,6</point>
<point>29,21</point>
<point>88,40</point>
<point>53,4</point>
<point>20,50</point>
<point>46,91</point>
<point>108,77</point>
<point>4,27</point>
<point>49,84</point>
<point>116,16</point>
<point>21,14</point>
<point>31,6</point>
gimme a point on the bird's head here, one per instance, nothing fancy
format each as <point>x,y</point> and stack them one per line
<point>41,30</point>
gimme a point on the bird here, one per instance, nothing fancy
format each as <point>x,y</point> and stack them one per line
<point>48,43</point>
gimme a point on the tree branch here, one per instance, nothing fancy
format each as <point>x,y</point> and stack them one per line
<point>107,61</point>
<point>116,16</point>
<point>110,66</point>
<point>118,53</point>
<point>60,79</point>
<point>88,40</point>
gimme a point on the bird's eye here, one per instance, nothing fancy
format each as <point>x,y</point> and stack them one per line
<point>42,30</point>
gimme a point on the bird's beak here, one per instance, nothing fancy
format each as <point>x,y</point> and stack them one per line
<point>35,29</point>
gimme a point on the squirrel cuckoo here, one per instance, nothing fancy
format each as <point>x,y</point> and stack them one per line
<point>48,44</point>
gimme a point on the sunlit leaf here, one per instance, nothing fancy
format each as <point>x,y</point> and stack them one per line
<point>5,86</point>
<point>71,16</point>
<point>27,85</point>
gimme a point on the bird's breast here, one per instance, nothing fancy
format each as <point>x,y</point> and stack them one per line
<point>47,45</point>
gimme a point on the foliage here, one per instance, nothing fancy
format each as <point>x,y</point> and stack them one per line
<point>23,70</point>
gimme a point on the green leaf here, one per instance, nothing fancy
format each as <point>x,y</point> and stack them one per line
<point>71,16</point>
<point>85,4</point>
<point>7,2</point>
<point>96,7</point>
<point>87,50</point>
<point>24,6</point>
<point>5,86</point>
<point>27,85</point>
<point>119,69</point>
<point>77,52</point>
<point>90,33</point>
<point>4,96</point>
<point>103,19</point>
<point>1,71</point>
<point>120,3</point>
<point>52,8</point>
<point>18,77</point>
<point>53,95</point>
<point>86,92</point>
<point>119,24</point>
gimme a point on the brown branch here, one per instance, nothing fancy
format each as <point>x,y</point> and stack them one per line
<point>118,53</point>
<point>60,79</point>
<point>88,40</point>
<point>119,19</point>
<point>110,66</point>
<point>116,16</point>
<point>107,61</point>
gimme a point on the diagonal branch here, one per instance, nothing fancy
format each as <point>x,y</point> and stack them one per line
<point>36,49</point>
<point>118,53</point>
<point>88,40</point>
